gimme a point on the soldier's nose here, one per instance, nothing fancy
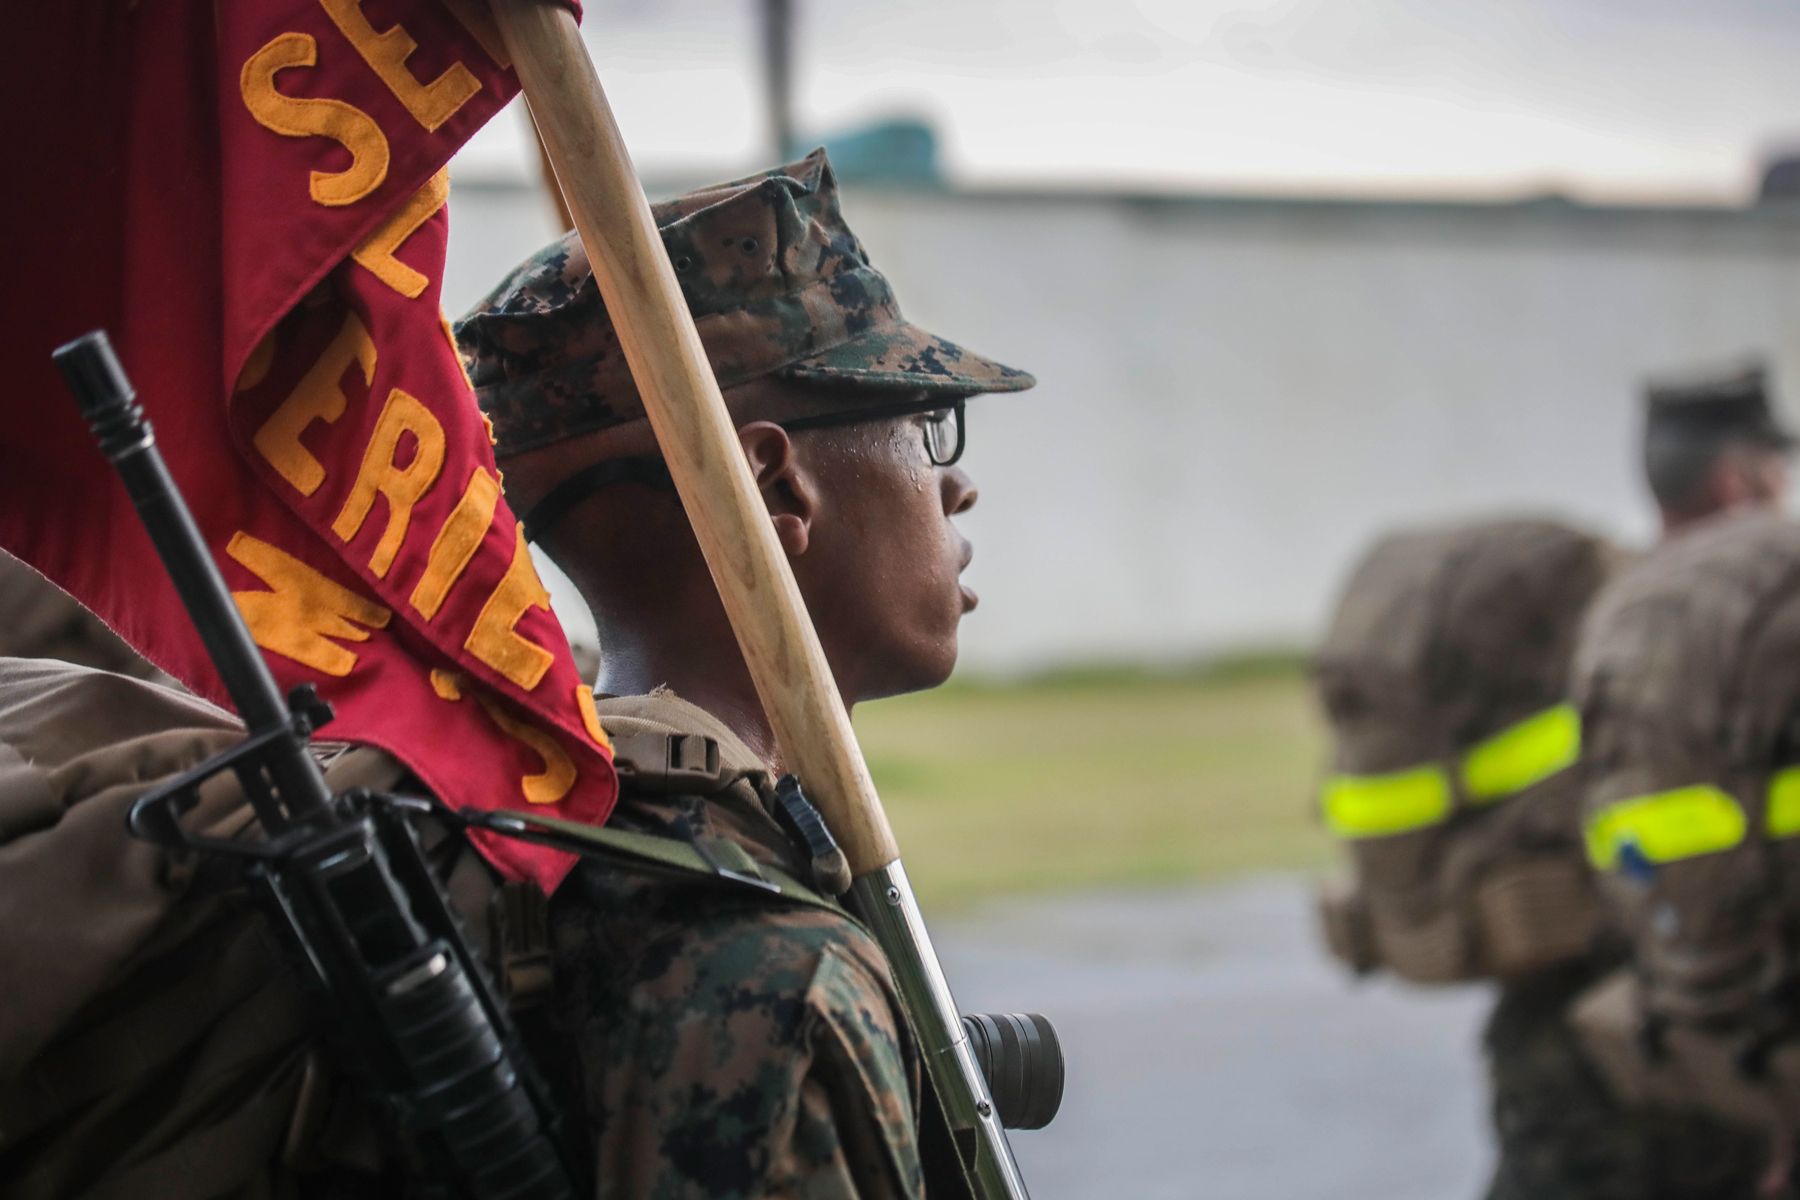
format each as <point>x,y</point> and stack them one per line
<point>960,492</point>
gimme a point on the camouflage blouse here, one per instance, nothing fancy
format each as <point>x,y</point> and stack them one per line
<point>729,1046</point>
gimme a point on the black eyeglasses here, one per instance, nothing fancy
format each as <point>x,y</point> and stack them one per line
<point>943,446</point>
<point>944,435</point>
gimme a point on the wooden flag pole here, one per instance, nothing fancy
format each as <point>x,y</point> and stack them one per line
<point>780,647</point>
<point>695,432</point>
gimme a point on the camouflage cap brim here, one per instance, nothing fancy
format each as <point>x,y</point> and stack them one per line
<point>903,356</point>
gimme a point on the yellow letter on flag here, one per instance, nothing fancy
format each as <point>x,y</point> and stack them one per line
<point>293,116</point>
<point>303,610</point>
<point>401,485</point>
<point>319,396</point>
<point>494,640</point>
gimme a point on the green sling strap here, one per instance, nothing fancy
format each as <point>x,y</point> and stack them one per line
<point>1500,765</point>
<point>718,860</point>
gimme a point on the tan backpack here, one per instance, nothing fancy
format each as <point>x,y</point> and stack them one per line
<point>1444,677</point>
<point>1688,680</point>
<point>153,1044</point>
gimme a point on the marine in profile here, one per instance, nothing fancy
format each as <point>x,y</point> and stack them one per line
<point>725,1044</point>
<point>713,1024</point>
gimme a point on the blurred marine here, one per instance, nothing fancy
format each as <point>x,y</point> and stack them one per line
<point>1712,446</point>
<point>1688,679</point>
<point>1455,785</point>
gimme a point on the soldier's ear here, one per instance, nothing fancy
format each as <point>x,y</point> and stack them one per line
<point>787,488</point>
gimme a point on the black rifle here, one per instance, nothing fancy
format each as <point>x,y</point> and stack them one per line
<point>342,878</point>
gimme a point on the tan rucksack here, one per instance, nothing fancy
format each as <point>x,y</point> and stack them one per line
<point>153,1043</point>
<point>1444,677</point>
<point>1688,680</point>
<point>153,1046</point>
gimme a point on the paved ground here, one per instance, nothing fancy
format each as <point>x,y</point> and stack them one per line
<point>1215,1053</point>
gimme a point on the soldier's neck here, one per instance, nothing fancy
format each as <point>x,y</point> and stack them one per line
<point>700,672</point>
<point>670,630</point>
<point>705,672</point>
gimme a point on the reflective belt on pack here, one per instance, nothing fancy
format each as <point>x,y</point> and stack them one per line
<point>1782,818</point>
<point>1498,766</point>
<point>1666,826</point>
<point>1360,806</point>
<point>1689,821</point>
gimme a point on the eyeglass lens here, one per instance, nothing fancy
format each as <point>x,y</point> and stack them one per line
<point>943,436</point>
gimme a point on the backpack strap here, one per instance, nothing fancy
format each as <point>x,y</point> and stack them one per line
<point>659,761</point>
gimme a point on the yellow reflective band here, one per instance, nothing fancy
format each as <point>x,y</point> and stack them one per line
<point>1666,826</point>
<point>1360,806</point>
<point>1522,754</point>
<point>1783,816</point>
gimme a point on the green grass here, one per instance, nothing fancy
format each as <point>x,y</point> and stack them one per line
<point>1099,777</point>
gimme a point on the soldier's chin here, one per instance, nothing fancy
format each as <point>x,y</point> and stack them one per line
<point>929,670</point>
<point>952,648</point>
<point>969,598</point>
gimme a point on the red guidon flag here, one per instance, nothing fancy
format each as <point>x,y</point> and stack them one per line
<point>250,198</point>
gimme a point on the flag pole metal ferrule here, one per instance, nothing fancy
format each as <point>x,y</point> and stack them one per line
<point>756,585</point>
<point>884,900</point>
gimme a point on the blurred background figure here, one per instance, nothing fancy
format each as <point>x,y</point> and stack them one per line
<point>1455,787</point>
<point>1712,446</point>
<point>1688,681</point>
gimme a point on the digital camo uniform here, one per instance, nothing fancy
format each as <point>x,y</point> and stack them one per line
<point>1689,681</point>
<point>1455,784</point>
<point>731,1047</point>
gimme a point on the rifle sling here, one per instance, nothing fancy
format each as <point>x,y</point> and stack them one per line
<point>721,862</point>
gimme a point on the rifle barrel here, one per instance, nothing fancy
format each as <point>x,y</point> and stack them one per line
<point>108,402</point>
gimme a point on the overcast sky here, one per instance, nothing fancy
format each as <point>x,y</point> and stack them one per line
<point>1634,100</point>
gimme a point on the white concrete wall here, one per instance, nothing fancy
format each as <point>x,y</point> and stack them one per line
<point>1237,395</point>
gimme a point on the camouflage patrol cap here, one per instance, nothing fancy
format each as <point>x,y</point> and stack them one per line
<point>777,283</point>
<point>1735,404</point>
